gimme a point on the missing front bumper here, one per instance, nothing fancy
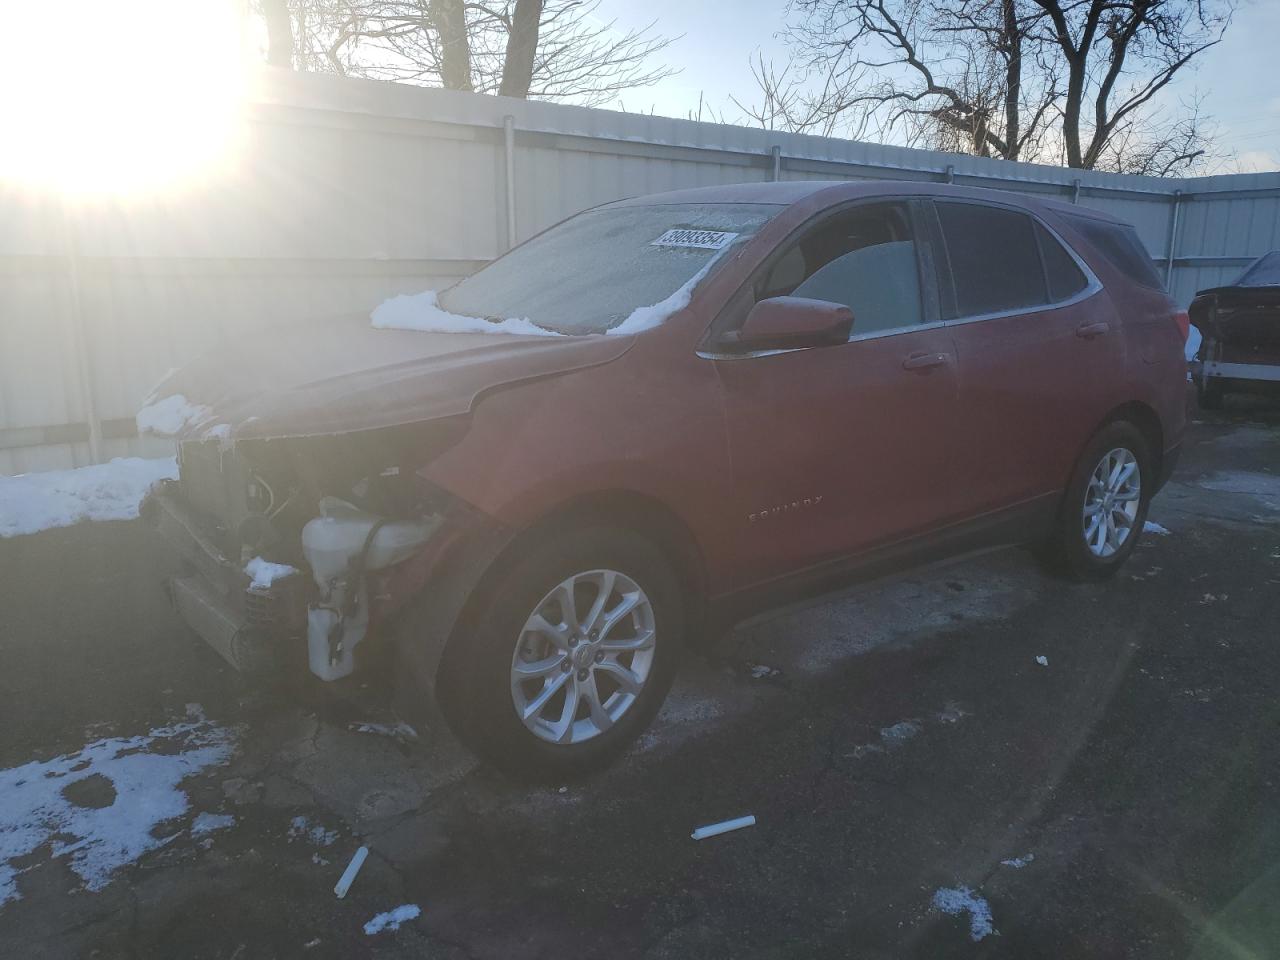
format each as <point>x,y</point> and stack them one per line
<point>253,629</point>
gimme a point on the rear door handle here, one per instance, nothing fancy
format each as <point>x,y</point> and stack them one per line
<point>923,361</point>
<point>1094,329</point>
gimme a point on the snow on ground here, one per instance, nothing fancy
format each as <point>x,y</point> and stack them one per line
<point>900,732</point>
<point>392,919</point>
<point>895,735</point>
<point>954,901</point>
<point>100,806</point>
<point>300,828</point>
<point>422,311</point>
<point>265,573</point>
<point>31,502</point>
<point>1152,527</point>
<point>1018,862</point>
<point>209,822</point>
<point>168,417</point>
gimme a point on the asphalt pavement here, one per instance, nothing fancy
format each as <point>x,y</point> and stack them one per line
<point>973,760</point>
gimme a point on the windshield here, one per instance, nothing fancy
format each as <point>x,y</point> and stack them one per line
<point>590,273</point>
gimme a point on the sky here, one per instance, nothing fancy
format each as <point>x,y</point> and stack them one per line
<point>718,38</point>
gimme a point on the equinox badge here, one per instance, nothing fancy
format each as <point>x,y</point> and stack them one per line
<point>784,508</point>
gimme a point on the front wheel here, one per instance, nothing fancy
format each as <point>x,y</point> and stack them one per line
<point>576,646</point>
<point>1104,507</point>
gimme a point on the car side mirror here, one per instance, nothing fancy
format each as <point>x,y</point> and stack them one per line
<point>788,323</point>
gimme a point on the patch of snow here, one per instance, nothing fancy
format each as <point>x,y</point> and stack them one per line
<point>952,712</point>
<point>209,822</point>
<point>422,312</point>
<point>760,671</point>
<point>1043,661</point>
<point>300,828</point>
<point>864,749</point>
<point>31,502</point>
<point>400,732</point>
<point>98,841</point>
<point>953,901</point>
<point>1018,862</point>
<point>265,573</point>
<point>392,919</point>
<point>1152,527</point>
<point>646,318</point>
<point>170,416</point>
<point>900,732</point>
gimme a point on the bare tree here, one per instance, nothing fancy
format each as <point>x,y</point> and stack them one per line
<point>279,32</point>
<point>1054,80</point>
<point>540,49</point>
<point>790,101</point>
<point>522,48</point>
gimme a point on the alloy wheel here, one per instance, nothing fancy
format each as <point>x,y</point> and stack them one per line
<point>1111,502</point>
<point>583,656</point>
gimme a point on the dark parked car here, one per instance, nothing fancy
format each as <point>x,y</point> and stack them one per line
<point>1239,326</point>
<point>753,392</point>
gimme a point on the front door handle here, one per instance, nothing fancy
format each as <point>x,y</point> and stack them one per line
<point>923,361</point>
<point>1095,328</point>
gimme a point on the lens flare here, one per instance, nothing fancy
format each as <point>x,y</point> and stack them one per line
<point>120,98</point>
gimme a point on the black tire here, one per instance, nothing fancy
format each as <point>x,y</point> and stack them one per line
<point>1209,394</point>
<point>478,673</point>
<point>1066,553</point>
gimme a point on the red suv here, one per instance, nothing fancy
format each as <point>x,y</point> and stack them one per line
<point>658,416</point>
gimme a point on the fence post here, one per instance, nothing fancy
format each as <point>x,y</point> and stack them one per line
<point>80,338</point>
<point>776,152</point>
<point>1173,238</point>
<point>949,174</point>
<point>509,148</point>
<point>1075,190</point>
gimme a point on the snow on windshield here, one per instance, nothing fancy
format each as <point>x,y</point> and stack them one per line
<point>617,269</point>
<point>422,312</point>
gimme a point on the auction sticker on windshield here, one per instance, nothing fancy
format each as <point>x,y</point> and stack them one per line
<point>701,239</point>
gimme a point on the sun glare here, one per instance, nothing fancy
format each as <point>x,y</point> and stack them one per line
<point>120,98</point>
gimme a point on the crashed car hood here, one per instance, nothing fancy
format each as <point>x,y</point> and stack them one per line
<point>339,376</point>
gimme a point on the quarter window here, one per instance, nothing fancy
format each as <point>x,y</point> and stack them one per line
<point>1122,246</point>
<point>995,263</point>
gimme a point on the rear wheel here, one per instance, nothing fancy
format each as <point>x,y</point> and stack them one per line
<point>574,652</point>
<point>1105,505</point>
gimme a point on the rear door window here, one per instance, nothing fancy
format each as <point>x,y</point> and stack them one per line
<point>995,260</point>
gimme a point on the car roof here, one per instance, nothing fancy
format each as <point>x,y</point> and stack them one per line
<point>789,192</point>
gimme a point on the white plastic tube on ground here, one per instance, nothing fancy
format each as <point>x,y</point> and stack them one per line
<point>349,875</point>
<point>715,829</point>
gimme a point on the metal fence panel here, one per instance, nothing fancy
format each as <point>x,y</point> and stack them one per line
<point>349,191</point>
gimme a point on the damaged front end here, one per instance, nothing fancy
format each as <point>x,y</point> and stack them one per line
<point>292,544</point>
